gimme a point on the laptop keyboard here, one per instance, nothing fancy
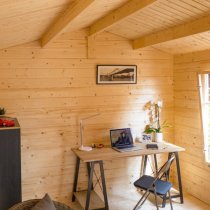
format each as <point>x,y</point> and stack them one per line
<point>131,149</point>
<point>125,147</point>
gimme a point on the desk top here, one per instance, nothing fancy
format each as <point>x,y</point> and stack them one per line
<point>107,153</point>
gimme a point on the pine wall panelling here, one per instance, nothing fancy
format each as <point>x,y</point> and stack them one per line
<point>188,133</point>
<point>49,90</point>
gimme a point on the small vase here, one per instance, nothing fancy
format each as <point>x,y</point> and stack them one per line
<point>158,137</point>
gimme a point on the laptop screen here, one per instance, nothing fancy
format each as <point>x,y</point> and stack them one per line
<point>121,137</point>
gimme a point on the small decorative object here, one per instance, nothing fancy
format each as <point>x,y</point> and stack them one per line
<point>152,146</point>
<point>2,111</point>
<point>154,126</point>
<point>116,74</point>
<point>4,122</point>
<point>146,138</point>
<point>99,146</point>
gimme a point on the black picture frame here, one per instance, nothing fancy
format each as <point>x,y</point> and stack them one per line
<point>146,138</point>
<point>116,74</point>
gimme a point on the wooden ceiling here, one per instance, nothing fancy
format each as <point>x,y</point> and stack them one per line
<point>26,20</point>
<point>174,26</point>
<point>161,15</point>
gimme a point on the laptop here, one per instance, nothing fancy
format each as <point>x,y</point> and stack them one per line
<point>122,140</point>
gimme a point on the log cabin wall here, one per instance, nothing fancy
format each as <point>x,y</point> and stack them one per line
<point>188,130</point>
<point>50,89</point>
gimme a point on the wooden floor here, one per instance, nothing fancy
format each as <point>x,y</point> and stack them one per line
<point>127,202</point>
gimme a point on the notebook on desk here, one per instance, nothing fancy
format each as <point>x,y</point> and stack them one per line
<point>122,140</point>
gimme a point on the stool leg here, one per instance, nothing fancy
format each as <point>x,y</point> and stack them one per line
<point>142,200</point>
<point>156,199</point>
<point>169,195</point>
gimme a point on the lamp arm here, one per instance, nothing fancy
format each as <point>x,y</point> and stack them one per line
<point>92,116</point>
<point>81,132</point>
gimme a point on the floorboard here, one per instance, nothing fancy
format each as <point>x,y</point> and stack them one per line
<point>126,201</point>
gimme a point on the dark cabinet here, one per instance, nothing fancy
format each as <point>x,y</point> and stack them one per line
<point>10,166</point>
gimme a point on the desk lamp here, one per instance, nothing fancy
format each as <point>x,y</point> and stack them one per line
<point>82,147</point>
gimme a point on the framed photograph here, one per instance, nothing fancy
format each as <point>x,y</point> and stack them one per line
<point>116,74</point>
<point>146,138</point>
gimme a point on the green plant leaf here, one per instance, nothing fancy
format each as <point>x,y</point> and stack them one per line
<point>2,111</point>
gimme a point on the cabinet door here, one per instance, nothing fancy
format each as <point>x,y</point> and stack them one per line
<point>10,168</point>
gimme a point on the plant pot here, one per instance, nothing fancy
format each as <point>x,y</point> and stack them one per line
<point>158,137</point>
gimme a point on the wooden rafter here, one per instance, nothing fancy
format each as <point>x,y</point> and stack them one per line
<point>188,29</point>
<point>73,11</point>
<point>124,11</point>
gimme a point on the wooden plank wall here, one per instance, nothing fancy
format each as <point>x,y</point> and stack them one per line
<point>188,133</point>
<point>49,90</point>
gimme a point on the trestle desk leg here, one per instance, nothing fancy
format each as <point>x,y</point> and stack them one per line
<point>167,174</point>
<point>76,178</point>
<point>156,165</point>
<point>104,185</point>
<point>143,165</point>
<point>179,177</point>
<point>180,195</point>
<point>169,156</point>
<point>90,183</point>
<point>88,169</point>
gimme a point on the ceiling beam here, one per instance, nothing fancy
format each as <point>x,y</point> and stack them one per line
<point>188,29</point>
<point>73,11</point>
<point>122,12</point>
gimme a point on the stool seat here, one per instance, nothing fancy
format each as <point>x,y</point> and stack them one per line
<point>161,187</point>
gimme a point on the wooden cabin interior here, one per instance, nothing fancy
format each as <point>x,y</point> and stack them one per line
<point>49,53</point>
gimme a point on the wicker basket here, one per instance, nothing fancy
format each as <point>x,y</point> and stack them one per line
<point>28,205</point>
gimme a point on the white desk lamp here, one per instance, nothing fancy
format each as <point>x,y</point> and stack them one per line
<point>82,147</point>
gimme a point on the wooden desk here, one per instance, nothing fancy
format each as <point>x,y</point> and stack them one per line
<point>97,156</point>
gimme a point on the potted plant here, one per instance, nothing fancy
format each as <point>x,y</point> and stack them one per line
<point>157,130</point>
<point>5,121</point>
<point>2,111</point>
<point>154,126</point>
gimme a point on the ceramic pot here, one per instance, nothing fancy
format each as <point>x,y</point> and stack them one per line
<point>158,137</point>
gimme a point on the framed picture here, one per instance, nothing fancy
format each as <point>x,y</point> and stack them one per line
<point>116,74</point>
<point>146,138</point>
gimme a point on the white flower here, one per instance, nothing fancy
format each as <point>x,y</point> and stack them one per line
<point>160,103</point>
